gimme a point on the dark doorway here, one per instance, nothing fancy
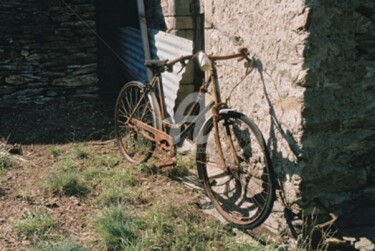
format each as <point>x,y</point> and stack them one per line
<point>111,17</point>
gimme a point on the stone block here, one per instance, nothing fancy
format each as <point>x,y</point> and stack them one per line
<point>15,80</point>
<point>188,34</point>
<point>83,80</point>
<point>177,7</point>
<point>180,23</point>
<point>38,57</point>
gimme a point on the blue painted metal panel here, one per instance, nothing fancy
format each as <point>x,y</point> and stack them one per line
<point>163,46</point>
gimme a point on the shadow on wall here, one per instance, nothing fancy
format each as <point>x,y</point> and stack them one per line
<point>339,132</point>
<point>291,209</point>
<point>68,119</point>
<point>154,15</point>
<point>351,221</point>
<point>336,162</point>
<point>111,16</point>
<point>57,101</point>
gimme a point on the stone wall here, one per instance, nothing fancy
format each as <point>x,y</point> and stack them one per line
<point>339,114</point>
<point>274,32</point>
<point>47,50</point>
<point>312,94</point>
<point>178,16</point>
<point>182,18</point>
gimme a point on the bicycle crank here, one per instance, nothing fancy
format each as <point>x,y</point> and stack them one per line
<point>165,150</point>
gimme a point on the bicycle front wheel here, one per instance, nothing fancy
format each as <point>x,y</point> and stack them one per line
<point>132,99</point>
<point>240,184</point>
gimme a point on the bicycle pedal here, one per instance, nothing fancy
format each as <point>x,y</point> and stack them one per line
<point>167,167</point>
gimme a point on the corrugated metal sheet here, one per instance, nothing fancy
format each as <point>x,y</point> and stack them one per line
<point>131,52</point>
<point>163,46</point>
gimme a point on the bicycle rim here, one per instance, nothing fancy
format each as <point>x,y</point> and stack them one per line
<point>243,190</point>
<point>133,146</point>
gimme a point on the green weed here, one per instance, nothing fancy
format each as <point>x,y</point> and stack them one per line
<point>55,151</point>
<point>67,182</point>
<point>107,162</point>
<point>80,153</point>
<point>187,229</point>
<point>65,245</point>
<point>118,229</point>
<point>135,216</point>
<point>94,174</point>
<point>24,194</point>
<point>6,163</point>
<point>115,187</point>
<point>36,226</point>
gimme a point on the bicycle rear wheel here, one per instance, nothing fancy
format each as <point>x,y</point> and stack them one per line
<point>243,190</point>
<point>133,146</point>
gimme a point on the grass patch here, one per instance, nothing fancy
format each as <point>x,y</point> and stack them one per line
<point>80,153</point>
<point>115,187</point>
<point>185,164</point>
<point>55,151</point>
<point>186,161</point>
<point>118,230</point>
<point>166,227</point>
<point>36,226</point>
<point>184,228</point>
<point>107,162</point>
<point>6,163</point>
<point>24,194</point>
<point>81,170</point>
<point>65,245</point>
<point>67,182</point>
<point>138,207</point>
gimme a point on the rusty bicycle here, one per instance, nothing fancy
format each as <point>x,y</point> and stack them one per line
<point>232,159</point>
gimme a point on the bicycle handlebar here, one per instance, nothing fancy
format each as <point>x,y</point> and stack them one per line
<point>242,54</point>
<point>181,59</point>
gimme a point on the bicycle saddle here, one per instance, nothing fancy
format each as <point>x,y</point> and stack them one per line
<point>157,66</point>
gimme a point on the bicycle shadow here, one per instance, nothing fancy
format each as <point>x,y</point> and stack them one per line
<point>284,168</point>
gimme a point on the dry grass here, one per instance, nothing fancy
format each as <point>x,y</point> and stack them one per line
<point>90,199</point>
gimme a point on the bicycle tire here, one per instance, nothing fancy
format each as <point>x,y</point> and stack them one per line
<point>132,145</point>
<point>243,194</point>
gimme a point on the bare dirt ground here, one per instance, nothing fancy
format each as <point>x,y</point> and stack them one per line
<point>27,133</point>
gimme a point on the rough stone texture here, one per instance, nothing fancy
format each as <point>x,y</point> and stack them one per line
<point>180,16</point>
<point>312,95</point>
<point>274,32</point>
<point>47,50</point>
<point>339,114</point>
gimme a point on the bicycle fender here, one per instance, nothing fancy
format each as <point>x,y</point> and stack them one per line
<point>229,111</point>
<point>221,112</point>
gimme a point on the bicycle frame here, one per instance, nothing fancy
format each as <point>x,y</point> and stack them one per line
<point>161,138</point>
<point>232,159</point>
<point>156,86</point>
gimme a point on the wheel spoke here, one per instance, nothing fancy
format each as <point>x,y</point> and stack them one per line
<point>131,102</point>
<point>244,192</point>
